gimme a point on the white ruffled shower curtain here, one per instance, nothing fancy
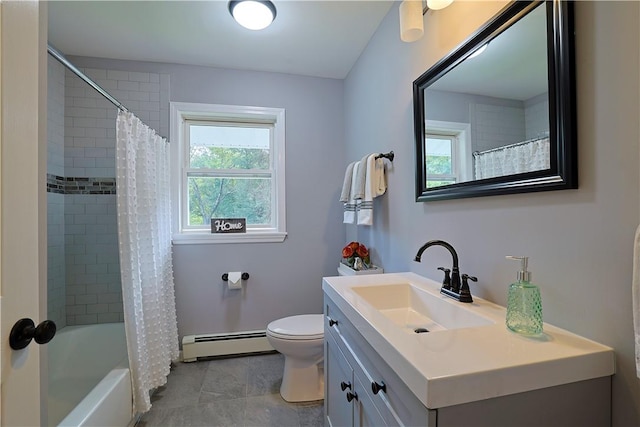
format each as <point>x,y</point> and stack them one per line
<point>144,227</point>
<point>532,156</point>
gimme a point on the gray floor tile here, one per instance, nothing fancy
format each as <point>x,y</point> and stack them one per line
<point>264,374</point>
<point>180,390</point>
<point>228,414</point>
<point>270,410</point>
<point>311,414</point>
<point>229,392</point>
<point>225,379</point>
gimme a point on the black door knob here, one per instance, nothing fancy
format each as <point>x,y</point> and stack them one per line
<point>351,396</point>
<point>332,322</point>
<point>377,388</point>
<point>25,330</point>
<point>345,385</point>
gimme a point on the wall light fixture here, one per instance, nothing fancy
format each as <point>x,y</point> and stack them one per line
<point>253,14</point>
<point>411,20</point>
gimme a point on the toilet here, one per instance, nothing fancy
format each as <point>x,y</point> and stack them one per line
<point>301,340</point>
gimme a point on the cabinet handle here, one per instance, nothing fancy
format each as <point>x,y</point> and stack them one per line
<point>332,322</point>
<point>351,396</point>
<point>377,388</point>
<point>344,386</point>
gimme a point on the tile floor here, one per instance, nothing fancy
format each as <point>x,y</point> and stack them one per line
<point>241,391</point>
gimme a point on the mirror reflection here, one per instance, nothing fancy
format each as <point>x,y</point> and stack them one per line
<point>489,116</point>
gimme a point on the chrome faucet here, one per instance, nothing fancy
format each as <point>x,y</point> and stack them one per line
<point>451,285</point>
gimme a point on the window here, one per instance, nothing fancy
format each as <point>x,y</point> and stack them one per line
<point>441,160</point>
<point>227,162</point>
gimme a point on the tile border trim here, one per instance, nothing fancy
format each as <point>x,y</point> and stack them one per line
<point>80,185</point>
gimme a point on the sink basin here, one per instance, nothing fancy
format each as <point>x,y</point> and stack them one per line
<point>418,311</point>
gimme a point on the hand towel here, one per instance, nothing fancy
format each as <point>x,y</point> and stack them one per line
<point>358,189</point>
<point>371,190</point>
<point>350,205</point>
<point>379,179</point>
<point>346,185</point>
<point>635,290</point>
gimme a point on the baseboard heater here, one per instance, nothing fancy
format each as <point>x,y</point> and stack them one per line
<point>225,344</point>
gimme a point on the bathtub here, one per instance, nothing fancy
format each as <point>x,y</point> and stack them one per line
<point>89,379</point>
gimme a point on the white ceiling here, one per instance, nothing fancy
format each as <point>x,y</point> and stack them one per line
<point>514,65</point>
<point>313,38</point>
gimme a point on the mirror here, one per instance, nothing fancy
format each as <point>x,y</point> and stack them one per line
<point>497,115</point>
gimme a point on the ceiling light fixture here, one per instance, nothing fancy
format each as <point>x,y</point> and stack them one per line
<point>253,14</point>
<point>411,17</point>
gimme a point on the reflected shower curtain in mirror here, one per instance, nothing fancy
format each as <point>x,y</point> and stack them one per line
<point>526,156</point>
<point>144,227</point>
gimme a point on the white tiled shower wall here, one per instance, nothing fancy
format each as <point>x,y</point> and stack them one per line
<point>498,125</point>
<point>56,295</point>
<point>91,265</point>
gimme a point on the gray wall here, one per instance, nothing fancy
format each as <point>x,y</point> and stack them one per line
<point>285,277</point>
<point>580,241</point>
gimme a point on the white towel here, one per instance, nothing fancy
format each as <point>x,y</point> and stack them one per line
<point>346,185</point>
<point>635,290</point>
<point>350,206</point>
<point>374,186</point>
<point>379,180</point>
<point>360,182</point>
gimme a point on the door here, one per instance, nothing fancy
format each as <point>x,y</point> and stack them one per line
<point>23,32</point>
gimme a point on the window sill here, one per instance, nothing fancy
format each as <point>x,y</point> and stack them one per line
<point>199,238</point>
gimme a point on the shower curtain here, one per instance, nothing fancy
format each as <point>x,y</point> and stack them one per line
<point>520,158</point>
<point>144,223</point>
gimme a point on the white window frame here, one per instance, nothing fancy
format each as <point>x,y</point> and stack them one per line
<point>462,131</point>
<point>455,167</point>
<point>180,112</point>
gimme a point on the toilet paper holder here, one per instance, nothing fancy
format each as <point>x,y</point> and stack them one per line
<point>225,276</point>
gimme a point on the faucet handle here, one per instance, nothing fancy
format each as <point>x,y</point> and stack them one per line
<point>466,277</point>
<point>446,282</point>
<point>465,292</point>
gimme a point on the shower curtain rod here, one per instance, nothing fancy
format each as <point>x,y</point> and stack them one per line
<point>517,144</point>
<point>64,61</point>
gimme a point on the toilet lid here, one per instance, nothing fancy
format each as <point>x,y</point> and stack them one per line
<point>302,327</point>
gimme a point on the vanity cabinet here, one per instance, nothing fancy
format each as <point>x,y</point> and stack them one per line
<point>362,389</point>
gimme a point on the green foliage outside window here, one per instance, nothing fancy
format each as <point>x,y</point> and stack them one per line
<point>438,165</point>
<point>224,196</point>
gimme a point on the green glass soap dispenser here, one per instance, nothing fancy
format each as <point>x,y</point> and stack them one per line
<point>524,306</point>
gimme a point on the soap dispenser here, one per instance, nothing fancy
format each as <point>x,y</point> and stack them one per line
<point>524,306</point>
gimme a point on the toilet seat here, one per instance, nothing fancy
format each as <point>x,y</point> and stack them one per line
<point>301,327</point>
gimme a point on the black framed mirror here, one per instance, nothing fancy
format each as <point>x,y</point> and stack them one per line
<point>497,114</point>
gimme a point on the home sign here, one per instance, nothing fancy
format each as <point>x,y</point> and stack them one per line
<point>228,225</point>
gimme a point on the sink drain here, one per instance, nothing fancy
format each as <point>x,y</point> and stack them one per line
<point>420,330</point>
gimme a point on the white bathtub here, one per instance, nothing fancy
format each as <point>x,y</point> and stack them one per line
<point>89,379</point>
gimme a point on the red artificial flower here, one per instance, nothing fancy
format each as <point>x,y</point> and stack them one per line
<point>347,252</point>
<point>362,251</point>
<point>354,245</point>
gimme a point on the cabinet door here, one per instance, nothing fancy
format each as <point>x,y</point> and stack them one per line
<point>366,413</point>
<point>338,375</point>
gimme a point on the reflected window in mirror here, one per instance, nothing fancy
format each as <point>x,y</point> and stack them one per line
<point>509,94</point>
<point>447,153</point>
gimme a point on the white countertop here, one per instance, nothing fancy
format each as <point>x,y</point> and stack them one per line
<point>458,366</point>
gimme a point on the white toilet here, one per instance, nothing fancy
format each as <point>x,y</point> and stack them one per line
<point>301,340</point>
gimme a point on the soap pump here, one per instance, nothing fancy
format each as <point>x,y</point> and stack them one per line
<point>524,306</point>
